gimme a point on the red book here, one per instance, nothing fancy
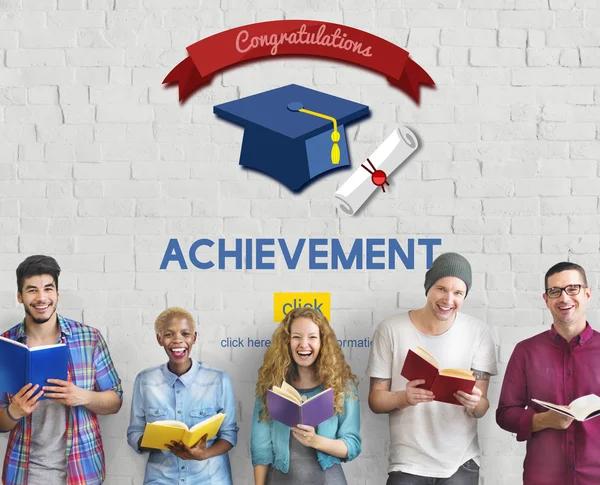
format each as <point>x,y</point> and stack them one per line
<point>419,364</point>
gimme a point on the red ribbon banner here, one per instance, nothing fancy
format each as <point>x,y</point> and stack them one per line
<point>296,37</point>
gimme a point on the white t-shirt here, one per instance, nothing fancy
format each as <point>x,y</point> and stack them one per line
<point>431,439</point>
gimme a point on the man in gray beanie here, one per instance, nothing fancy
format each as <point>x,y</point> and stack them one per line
<point>433,442</point>
<point>449,264</point>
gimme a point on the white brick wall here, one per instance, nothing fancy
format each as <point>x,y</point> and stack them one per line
<point>100,166</point>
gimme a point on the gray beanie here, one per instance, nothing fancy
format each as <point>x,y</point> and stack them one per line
<point>449,264</point>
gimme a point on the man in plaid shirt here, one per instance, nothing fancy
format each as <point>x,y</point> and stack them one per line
<point>57,441</point>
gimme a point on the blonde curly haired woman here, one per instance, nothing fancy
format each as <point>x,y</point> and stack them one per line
<point>305,353</point>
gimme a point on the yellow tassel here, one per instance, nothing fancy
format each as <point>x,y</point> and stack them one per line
<point>335,136</point>
<point>335,149</point>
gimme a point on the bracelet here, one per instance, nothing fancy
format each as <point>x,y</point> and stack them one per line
<point>10,416</point>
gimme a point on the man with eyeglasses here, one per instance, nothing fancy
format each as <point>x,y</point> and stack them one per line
<point>557,366</point>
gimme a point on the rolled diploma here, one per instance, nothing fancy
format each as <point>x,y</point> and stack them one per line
<point>388,156</point>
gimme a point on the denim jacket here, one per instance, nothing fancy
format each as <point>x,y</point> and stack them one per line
<point>200,393</point>
<point>270,441</point>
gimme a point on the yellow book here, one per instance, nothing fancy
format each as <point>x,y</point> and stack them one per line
<point>158,433</point>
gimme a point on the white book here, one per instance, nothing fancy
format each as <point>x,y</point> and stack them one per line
<point>581,409</point>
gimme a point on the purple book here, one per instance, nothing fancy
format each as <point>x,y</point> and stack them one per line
<point>312,412</point>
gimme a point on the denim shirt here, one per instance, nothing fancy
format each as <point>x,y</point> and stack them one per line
<point>270,441</point>
<point>198,394</point>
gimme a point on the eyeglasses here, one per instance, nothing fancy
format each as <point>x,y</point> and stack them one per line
<point>570,290</point>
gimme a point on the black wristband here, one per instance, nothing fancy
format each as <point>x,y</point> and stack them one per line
<point>10,416</point>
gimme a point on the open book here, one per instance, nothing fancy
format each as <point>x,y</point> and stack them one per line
<point>419,364</point>
<point>158,433</point>
<point>581,409</point>
<point>20,365</point>
<point>285,405</point>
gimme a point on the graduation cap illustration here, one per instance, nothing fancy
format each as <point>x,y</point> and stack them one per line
<point>293,133</point>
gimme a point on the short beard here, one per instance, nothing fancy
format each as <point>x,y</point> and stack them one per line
<point>39,321</point>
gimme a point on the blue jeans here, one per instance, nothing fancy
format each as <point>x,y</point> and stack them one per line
<point>467,474</point>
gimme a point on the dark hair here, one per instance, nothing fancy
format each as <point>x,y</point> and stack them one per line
<point>565,266</point>
<point>35,266</point>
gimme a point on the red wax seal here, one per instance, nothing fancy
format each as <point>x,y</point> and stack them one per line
<point>378,177</point>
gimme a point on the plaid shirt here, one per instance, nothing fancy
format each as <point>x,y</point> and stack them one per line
<point>91,368</point>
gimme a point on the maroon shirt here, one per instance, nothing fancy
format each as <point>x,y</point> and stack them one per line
<point>548,368</point>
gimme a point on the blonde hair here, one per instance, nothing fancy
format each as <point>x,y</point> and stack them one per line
<point>170,313</point>
<point>330,367</point>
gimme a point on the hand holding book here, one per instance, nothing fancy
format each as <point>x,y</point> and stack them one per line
<point>197,452</point>
<point>306,435</point>
<point>469,401</point>
<point>67,393</point>
<point>24,402</point>
<point>415,394</point>
<point>550,419</point>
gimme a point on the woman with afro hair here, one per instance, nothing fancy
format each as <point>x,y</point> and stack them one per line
<point>305,353</point>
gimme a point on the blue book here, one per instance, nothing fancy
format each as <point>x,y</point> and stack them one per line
<point>20,365</point>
